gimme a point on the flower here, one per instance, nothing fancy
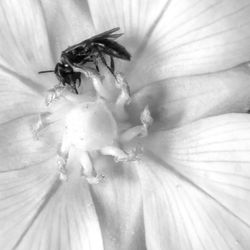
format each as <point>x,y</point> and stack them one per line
<point>190,187</point>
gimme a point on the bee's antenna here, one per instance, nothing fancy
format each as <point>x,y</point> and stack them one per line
<point>45,71</point>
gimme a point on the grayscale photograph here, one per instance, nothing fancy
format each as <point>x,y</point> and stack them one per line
<point>124,124</point>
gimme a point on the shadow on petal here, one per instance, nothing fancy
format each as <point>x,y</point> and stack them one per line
<point>178,101</point>
<point>119,206</point>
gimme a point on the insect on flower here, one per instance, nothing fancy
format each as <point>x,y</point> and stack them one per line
<point>92,50</point>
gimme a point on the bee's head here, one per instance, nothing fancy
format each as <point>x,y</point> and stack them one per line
<point>63,68</point>
<point>63,72</point>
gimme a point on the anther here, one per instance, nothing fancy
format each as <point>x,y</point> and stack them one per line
<point>146,118</point>
<point>124,97</point>
<point>42,122</point>
<point>122,84</point>
<point>88,171</point>
<point>62,158</point>
<point>53,94</point>
<point>61,163</point>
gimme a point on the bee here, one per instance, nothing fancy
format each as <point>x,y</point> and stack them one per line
<point>92,50</point>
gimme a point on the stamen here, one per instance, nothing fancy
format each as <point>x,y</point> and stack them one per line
<point>88,170</point>
<point>141,130</point>
<point>61,163</point>
<point>54,94</point>
<point>42,122</point>
<point>96,79</point>
<point>146,118</point>
<point>124,97</point>
<point>62,157</point>
<point>118,154</point>
<point>130,134</point>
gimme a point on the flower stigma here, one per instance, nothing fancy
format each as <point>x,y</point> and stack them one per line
<point>93,122</point>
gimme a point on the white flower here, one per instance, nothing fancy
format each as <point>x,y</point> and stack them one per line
<point>190,188</point>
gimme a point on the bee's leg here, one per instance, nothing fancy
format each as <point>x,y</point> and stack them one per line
<point>96,65</point>
<point>112,64</point>
<point>104,61</point>
<point>79,81</point>
<point>74,87</point>
<point>97,68</point>
<point>93,59</point>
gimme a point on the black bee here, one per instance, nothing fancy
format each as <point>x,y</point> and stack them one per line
<point>91,50</point>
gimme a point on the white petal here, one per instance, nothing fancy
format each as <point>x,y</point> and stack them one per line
<point>24,45</point>
<point>19,97</point>
<point>180,215</point>
<point>119,206</point>
<point>177,101</point>
<point>18,146</point>
<point>136,18</point>
<point>214,154</point>
<point>194,37</point>
<point>68,22</point>
<point>37,211</point>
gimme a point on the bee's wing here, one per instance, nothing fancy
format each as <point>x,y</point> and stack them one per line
<point>112,48</point>
<point>105,35</point>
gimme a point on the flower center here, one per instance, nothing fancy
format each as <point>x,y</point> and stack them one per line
<point>90,126</point>
<point>94,121</point>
